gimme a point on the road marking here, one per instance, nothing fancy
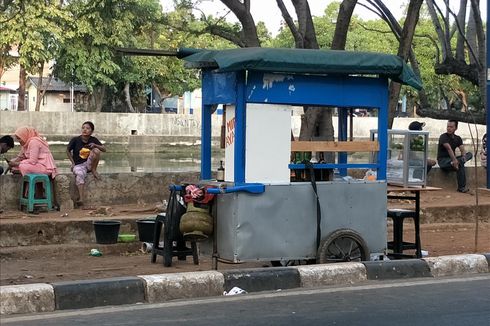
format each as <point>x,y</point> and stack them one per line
<point>251,296</point>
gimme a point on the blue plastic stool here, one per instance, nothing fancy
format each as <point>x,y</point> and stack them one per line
<point>29,182</point>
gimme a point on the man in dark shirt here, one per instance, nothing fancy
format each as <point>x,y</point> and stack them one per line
<point>446,157</point>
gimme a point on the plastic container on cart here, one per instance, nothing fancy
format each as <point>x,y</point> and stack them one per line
<point>406,163</point>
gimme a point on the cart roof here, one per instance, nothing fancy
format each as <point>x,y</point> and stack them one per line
<point>307,61</point>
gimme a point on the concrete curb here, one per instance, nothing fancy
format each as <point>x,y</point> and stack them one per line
<point>29,298</point>
<point>95,293</point>
<point>394,269</point>
<point>34,298</point>
<point>457,265</point>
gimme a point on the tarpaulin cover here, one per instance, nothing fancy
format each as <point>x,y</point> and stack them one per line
<point>303,61</point>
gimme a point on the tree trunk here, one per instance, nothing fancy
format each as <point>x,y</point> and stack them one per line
<point>127,98</point>
<point>404,48</point>
<point>241,9</point>
<point>41,88</point>
<point>479,117</point>
<point>461,21</point>
<point>342,26</point>
<point>482,55</point>
<point>22,90</point>
<point>97,97</point>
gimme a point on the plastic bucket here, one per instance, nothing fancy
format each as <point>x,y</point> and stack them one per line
<point>146,229</point>
<point>106,231</point>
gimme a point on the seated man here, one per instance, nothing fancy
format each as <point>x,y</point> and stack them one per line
<point>446,157</point>
<point>6,144</point>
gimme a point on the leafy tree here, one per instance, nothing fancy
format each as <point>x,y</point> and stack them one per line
<point>35,28</point>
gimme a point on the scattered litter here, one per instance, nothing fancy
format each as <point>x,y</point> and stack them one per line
<point>28,276</point>
<point>95,253</point>
<point>102,211</point>
<point>236,290</point>
<point>64,215</point>
<point>425,253</point>
<point>146,247</point>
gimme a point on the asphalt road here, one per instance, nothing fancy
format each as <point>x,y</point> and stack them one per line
<point>452,301</point>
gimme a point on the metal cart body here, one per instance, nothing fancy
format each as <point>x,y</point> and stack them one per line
<point>278,221</point>
<point>280,224</point>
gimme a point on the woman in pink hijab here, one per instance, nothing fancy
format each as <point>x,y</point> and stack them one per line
<point>35,156</point>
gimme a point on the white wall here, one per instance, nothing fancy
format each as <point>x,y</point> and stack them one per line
<point>121,124</point>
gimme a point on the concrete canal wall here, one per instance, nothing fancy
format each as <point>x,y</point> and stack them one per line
<point>148,188</point>
<point>143,128</point>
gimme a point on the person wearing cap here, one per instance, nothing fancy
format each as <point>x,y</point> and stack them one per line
<point>446,157</point>
<point>416,125</point>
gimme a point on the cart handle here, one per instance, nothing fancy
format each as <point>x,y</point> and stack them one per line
<point>253,188</point>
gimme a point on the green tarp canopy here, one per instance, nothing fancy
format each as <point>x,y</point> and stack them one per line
<point>303,61</point>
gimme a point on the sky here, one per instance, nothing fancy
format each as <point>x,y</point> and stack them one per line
<point>268,12</point>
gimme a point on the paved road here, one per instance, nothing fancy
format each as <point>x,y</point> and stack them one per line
<point>455,301</point>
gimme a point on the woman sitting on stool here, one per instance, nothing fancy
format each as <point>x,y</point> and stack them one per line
<point>34,156</point>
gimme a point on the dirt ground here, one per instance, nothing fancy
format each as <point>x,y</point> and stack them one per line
<point>72,262</point>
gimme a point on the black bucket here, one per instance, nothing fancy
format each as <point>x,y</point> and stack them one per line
<point>146,229</point>
<point>106,231</point>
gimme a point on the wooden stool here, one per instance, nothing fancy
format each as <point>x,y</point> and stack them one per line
<point>28,192</point>
<point>398,245</point>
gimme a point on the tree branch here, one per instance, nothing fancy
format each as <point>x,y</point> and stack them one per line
<point>298,38</point>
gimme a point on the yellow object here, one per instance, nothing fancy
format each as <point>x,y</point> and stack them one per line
<point>84,152</point>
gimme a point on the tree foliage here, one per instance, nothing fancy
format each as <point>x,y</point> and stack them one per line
<point>79,37</point>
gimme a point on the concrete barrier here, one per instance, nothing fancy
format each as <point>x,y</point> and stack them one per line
<point>331,274</point>
<point>164,287</point>
<point>112,189</point>
<point>395,269</point>
<point>96,293</point>
<point>28,298</point>
<point>457,265</point>
<point>262,279</point>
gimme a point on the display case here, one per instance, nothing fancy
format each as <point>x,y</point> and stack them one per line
<point>407,157</point>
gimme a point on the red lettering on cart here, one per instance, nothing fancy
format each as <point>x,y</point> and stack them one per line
<point>230,125</point>
<point>230,138</point>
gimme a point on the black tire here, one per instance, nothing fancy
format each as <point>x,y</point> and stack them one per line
<point>343,245</point>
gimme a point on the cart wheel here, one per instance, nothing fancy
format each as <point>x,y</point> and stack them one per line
<point>342,245</point>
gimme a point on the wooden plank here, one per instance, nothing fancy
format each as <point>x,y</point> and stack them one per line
<point>334,146</point>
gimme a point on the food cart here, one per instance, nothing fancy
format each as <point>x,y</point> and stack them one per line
<point>260,213</point>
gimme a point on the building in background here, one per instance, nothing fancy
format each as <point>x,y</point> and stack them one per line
<point>58,97</point>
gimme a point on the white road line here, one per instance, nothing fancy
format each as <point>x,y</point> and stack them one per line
<point>251,296</point>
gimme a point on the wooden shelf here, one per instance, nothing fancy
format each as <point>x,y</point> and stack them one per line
<point>334,146</point>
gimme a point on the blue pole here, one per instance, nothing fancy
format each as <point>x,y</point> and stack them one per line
<point>488,93</point>
<point>240,125</point>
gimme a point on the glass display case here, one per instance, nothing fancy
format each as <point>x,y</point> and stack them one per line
<point>406,157</point>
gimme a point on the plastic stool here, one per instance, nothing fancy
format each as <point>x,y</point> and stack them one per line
<point>168,250</point>
<point>28,186</point>
<point>398,245</point>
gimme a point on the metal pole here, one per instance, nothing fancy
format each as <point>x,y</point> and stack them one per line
<point>488,93</point>
<point>71,96</point>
